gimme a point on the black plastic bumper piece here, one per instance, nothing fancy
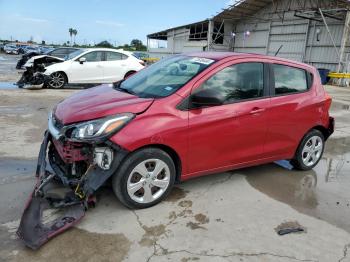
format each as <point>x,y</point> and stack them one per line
<point>34,232</point>
<point>49,193</point>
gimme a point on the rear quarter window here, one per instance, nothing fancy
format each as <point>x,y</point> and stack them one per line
<point>290,80</point>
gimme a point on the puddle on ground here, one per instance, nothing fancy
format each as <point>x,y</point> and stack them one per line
<point>322,192</point>
<point>8,85</point>
<point>79,245</point>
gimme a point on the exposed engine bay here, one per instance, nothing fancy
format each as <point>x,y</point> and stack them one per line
<point>68,174</point>
<point>34,68</point>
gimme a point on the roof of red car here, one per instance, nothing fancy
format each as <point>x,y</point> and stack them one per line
<point>222,55</point>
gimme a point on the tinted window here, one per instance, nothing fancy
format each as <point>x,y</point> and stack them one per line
<point>238,82</point>
<point>114,56</point>
<point>93,56</point>
<point>289,80</point>
<point>74,54</point>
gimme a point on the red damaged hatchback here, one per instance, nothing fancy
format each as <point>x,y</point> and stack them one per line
<point>186,116</point>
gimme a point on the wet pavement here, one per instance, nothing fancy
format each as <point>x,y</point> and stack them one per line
<point>8,85</point>
<point>223,217</point>
<point>322,193</point>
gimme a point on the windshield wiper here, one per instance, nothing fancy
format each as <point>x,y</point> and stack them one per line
<point>119,88</point>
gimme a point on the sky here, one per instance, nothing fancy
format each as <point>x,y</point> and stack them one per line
<point>96,20</point>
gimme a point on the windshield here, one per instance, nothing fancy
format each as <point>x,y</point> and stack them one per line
<point>74,54</point>
<point>165,77</point>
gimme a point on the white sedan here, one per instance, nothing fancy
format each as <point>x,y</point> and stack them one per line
<point>97,66</point>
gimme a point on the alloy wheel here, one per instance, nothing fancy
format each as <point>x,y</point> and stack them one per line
<point>148,181</point>
<point>312,151</point>
<point>57,80</point>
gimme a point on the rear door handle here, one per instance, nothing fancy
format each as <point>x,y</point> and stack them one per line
<point>257,110</point>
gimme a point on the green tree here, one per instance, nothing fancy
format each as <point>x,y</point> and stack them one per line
<point>74,32</point>
<point>137,45</point>
<point>70,30</point>
<point>105,44</point>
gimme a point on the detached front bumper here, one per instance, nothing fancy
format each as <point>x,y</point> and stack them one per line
<point>57,192</point>
<point>32,229</point>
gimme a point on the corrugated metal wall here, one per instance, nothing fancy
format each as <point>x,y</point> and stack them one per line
<point>297,37</point>
<point>269,32</point>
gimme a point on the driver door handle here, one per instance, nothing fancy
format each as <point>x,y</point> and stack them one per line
<point>257,110</point>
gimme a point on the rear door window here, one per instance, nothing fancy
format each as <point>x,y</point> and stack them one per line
<point>289,80</point>
<point>115,56</point>
<point>95,56</point>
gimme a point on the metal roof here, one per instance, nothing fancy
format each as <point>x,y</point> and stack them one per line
<point>243,9</point>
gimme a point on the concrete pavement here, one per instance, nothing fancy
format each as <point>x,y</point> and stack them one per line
<point>224,217</point>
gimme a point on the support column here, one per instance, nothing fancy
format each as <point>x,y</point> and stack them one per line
<point>147,44</point>
<point>209,38</point>
<point>173,47</point>
<point>345,39</point>
<point>303,59</point>
<point>329,33</point>
<point>268,39</point>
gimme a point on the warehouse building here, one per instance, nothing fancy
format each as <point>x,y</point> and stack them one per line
<point>310,31</point>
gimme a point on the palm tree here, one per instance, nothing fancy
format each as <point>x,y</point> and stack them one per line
<point>71,33</point>
<point>75,32</point>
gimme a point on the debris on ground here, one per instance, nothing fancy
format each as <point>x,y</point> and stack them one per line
<point>290,227</point>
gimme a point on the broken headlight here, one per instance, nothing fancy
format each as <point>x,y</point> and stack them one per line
<point>100,127</point>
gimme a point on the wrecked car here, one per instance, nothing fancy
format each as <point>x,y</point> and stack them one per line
<point>25,57</point>
<point>34,65</point>
<point>183,117</point>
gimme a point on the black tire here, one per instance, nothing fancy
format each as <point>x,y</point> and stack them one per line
<point>298,161</point>
<point>121,177</point>
<point>61,80</point>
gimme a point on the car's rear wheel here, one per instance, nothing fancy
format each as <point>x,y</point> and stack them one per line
<point>58,80</point>
<point>145,178</point>
<point>310,151</point>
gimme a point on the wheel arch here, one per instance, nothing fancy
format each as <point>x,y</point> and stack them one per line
<point>323,130</point>
<point>320,128</point>
<point>129,73</point>
<point>172,153</point>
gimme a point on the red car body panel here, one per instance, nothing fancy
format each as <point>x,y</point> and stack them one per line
<point>212,139</point>
<point>99,102</point>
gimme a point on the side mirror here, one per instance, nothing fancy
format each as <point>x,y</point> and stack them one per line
<point>82,60</point>
<point>207,97</point>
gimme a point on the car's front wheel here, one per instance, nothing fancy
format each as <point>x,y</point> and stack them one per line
<point>310,151</point>
<point>145,178</point>
<point>58,80</point>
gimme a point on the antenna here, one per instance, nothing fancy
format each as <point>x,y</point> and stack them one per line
<point>279,49</point>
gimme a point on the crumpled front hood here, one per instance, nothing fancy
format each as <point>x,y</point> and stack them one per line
<point>99,102</point>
